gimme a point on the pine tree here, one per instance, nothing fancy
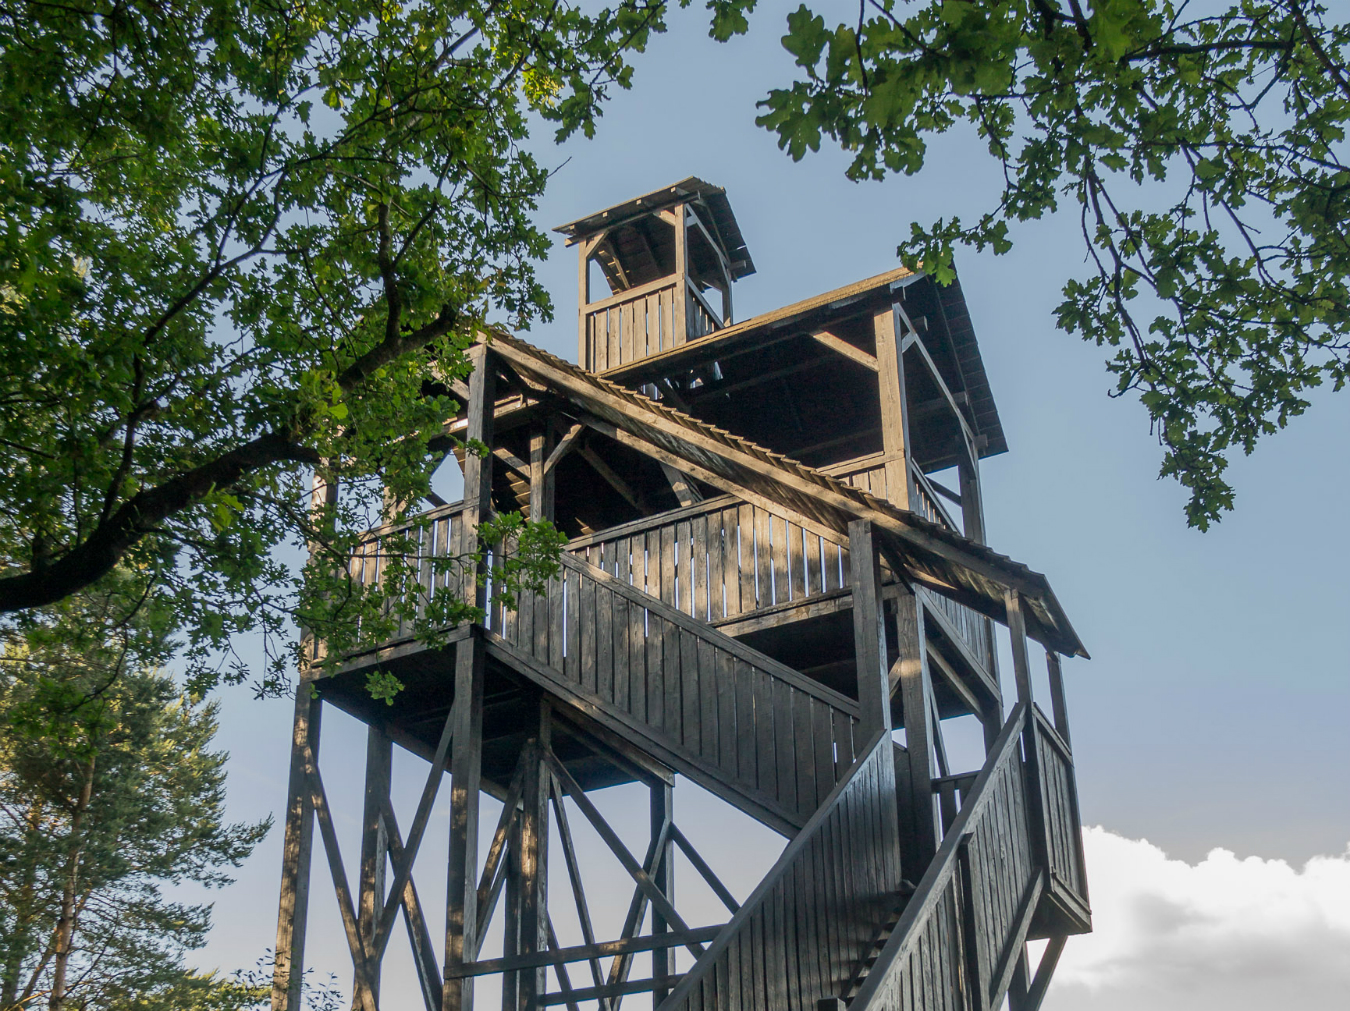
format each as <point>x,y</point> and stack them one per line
<point>109,790</point>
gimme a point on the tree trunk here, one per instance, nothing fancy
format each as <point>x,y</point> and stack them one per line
<point>65,926</point>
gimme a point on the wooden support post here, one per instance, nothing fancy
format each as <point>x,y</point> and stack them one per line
<point>662,811</point>
<point>478,470</point>
<point>584,352</point>
<point>466,761</point>
<point>972,499</point>
<point>1058,705</point>
<point>680,324</point>
<point>297,849</point>
<point>869,632</point>
<point>916,693</point>
<point>894,406</point>
<point>529,858</point>
<point>1017,630</point>
<point>542,480</point>
<point>374,851</point>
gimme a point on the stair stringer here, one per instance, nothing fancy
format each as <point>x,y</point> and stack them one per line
<point>749,729</point>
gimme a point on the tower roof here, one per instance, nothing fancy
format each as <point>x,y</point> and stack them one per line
<point>714,198</point>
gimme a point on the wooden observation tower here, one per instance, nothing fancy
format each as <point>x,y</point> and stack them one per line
<point>763,585</point>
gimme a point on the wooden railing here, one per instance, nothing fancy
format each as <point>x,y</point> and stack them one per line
<point>717,561</point>
<point>632,325</point>
<point>804,929</point>
<point>431,538</point>
<point>712,704</point>
<point>720,559</point>
<point>642,321</point>
<point>957,943</point>
<point>1063,826</point>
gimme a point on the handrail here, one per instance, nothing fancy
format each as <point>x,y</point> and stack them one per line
<point>701,701</point>
<point>850,894</point>
<point>943,906</point>
<point>641,291</point>
<point>732,645</point>
<point>430,516</point>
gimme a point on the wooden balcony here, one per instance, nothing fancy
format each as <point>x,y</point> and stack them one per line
<point>742,569</point>
<point>645,320</point>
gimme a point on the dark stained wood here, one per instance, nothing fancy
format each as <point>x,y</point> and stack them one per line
<point>869,636</point>
<point>465,779</point>
<point>297,851</point>
<point>419,936</point>
<point>374,847</point>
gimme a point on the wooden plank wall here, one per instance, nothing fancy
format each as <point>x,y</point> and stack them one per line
<point>958,942</point>
<point>801,934</point>
<point>769,731</point>
<point>626,330</point>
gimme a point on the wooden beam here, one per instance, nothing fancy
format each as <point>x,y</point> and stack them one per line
<point>869,633</point>
<point>578,889</point>
<point>542,483</point>
<point>564,446</point>
<point>843,347</point>
<point>514,462</point>
<point>1017,631</point>
<point>700,865</point>
<point>1058,705</point>
<point>611,839</point>
<point>403,867</point>
<point>611,478</point>
<point>419,936</point>
<point>680,322</point>
<point>685,490</point>
<point>532,856</point>
<point>1044,970</point>
<point>374,846</point>
<point>478,470</point>
<point>914,683</point>
<point>297,853</point>
<point>614,990</point>
<point>894,406</point>
<point>465,778</point>
<point>662,811</point>
<point>602,949</point>
<point>362,962</point>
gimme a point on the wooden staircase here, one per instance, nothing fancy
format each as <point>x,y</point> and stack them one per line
<point>756,733</point>
<point>834,924</point>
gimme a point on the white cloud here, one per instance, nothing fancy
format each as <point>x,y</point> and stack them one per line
<point>1226,933</point>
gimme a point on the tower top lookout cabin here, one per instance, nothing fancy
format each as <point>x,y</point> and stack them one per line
<point>775,585</point>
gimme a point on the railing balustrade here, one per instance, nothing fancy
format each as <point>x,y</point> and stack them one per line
<point>802,932</point>
<point>783,738</point>
<point>957,942</point>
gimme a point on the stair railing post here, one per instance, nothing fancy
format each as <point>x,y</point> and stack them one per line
<point>874,682</point>
<point>916,694</point>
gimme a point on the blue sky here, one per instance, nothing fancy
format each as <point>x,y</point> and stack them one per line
<point>1212,714</point>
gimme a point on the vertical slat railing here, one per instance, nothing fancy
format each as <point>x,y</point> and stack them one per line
<point>804,929</point>
<point>775,734</point>
<point>720,559</point>
<point>432,537</point>
<point>956,944</point>
<point>1063,826</point>
<point>629,326</point>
